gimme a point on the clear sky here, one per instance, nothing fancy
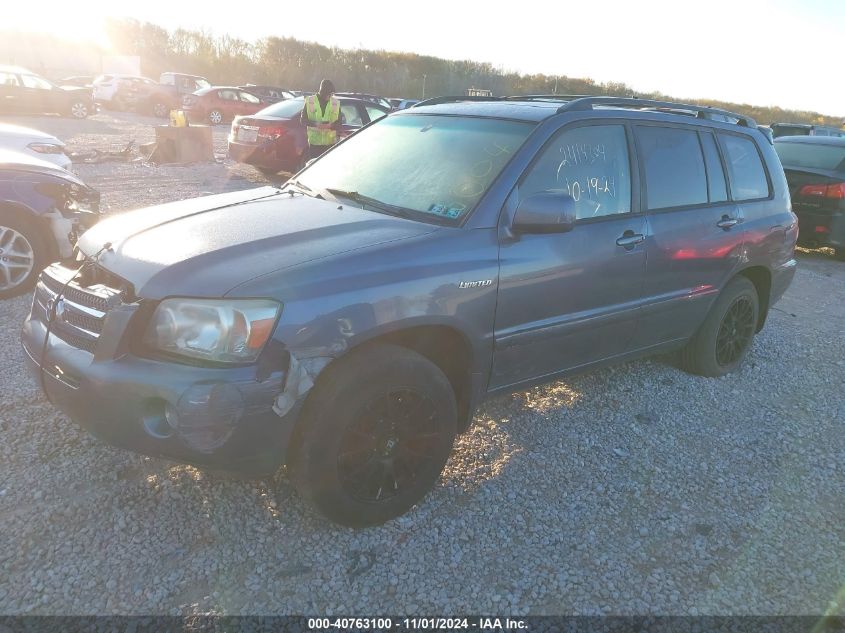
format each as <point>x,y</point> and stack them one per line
<point>765,52</point>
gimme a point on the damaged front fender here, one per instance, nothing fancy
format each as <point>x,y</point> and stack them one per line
<point>300,380</point>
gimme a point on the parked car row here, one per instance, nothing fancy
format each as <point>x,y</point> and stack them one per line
<point>22,91</point>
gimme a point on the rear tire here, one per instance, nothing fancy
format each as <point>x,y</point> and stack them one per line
<point>160,109</point>
<point>80,109</point>
<point>215,117</point>
<point>23,254</point>
<point>374,435</point>
<point>723,340</point>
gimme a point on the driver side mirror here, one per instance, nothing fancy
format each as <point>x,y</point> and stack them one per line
<point>545,212</point>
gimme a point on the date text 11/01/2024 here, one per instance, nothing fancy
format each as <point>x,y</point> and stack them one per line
<point>416,624</point>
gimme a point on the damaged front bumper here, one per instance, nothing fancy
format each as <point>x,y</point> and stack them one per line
<point>236,419</point>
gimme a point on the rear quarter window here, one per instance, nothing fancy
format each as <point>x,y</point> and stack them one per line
<point>745,168</point>
<point>673,165</point>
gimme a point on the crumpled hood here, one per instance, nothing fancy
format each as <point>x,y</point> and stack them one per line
<point>206,246</point>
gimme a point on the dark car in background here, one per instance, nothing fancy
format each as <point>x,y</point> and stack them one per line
<point>43,209</point>
<point>363,96</point>
<point>24,92</point>
<point>804,129</point>
<point>349,323</point>
<point>274,139</point>
<point>168,94</point>
<point>220,103</point>
<point>123,92</point>
<point>268,94</point>
<point>815,170</point>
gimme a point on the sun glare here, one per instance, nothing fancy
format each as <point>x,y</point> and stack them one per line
<point>61,21</point>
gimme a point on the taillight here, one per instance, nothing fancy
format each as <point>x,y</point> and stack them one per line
<point>836,191</point>
<point>272,132</point>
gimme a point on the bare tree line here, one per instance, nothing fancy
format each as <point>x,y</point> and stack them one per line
<point>300,65</point>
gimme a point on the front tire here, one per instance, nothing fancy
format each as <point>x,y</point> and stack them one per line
<point>374,435</point>
<point>80,109</point>
<point>23,253</point>
<point>723,340</point>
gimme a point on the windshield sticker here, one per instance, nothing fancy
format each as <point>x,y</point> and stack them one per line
<point>447,210</point>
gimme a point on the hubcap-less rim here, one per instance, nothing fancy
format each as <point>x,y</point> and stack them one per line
<point>79,110</point>
<point>735,332</point>
<point>17,258</point>
<point>389,445</point>
<point>215,117</point>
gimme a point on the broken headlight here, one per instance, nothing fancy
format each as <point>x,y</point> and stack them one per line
<point>216,330</point>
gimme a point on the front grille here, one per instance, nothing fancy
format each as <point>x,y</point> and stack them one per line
<point>75,294</point>
<point>84,322</point>
<point>81,310</point>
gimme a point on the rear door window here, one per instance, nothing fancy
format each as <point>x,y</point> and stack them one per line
<point>228,95</point>
<point>674,167</point>
<point>591,164</point>
<point>715,174</point>
<point>745,168</point>
<point>248,98</point>
<point>32,81</point>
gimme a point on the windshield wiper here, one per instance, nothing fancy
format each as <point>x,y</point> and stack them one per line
<point>304,189</point>
<point>378,205</point>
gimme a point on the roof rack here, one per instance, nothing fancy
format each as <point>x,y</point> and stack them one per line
<point>702,112</point>
<point>454,99</point>
<point>553,97</point>
<point>538,97</point>
<point>577,103</point>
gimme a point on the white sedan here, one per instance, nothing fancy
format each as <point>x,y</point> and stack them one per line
<point>32,142</point>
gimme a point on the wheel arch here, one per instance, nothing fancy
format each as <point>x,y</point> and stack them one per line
<point>444,345</point>
<point>761,277</point>
<point>28,214</point>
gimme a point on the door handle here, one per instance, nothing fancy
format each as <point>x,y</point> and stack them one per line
<point>727,222</point>
<point>630,239</point>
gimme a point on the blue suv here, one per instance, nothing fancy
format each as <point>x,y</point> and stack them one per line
<point>348,324</point>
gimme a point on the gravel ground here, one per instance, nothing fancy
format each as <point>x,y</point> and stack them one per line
<point>632,490</point>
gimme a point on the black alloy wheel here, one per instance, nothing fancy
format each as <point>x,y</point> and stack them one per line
<point>736,331</point>
<point>390,442</point>
<point>724,338</point>
<point>374,435</point>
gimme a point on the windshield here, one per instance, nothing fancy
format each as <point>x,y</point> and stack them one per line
<point>285,109</point>
<point>811,155</point>
<point>431,165</point>
<point>202,83</point>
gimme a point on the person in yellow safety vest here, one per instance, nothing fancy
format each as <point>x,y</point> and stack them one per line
<point>321,116</point>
